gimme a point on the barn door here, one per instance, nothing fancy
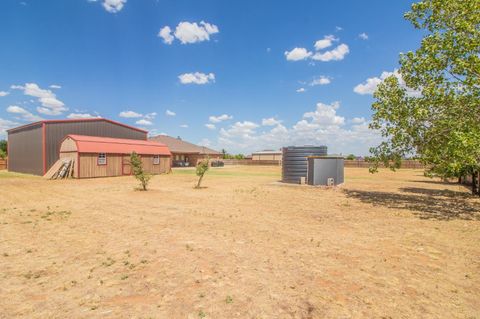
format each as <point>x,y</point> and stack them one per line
<point>126,168</point>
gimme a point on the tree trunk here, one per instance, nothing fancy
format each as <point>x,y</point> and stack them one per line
<point>199,182</point>
<point>477,183</point>
<point>474,182</point>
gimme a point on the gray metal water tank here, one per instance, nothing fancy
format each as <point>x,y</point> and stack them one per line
<point>294,161</point>
<point>323,168</point>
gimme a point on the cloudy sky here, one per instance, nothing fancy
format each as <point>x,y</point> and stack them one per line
<point>240,75</point>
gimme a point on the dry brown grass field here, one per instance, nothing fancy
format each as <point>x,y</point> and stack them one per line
<point>390,245</point>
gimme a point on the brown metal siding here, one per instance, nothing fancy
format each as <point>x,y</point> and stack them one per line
<point>56,132</point>
<point>25,153</point>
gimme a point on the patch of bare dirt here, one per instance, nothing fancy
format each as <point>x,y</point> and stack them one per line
<point>390,245</point>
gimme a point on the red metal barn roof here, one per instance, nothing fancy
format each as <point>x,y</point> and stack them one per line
<point>94,144</point>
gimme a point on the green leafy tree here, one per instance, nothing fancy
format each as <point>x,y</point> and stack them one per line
<point>4,146</point>
<point>224,153</point>
<point>138,172</point>
<point>202,168</point>
<point>431,109</point>
<point>239,156</point>
<point>3,155</point>
<point>350,157</point>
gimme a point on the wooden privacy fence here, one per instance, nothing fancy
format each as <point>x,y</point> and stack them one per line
<point>3,164</point>
<point>249,162</point>
<point>410,164</point>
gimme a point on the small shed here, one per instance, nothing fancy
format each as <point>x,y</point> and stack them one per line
<point>325,170</point>
<point>103,157</point>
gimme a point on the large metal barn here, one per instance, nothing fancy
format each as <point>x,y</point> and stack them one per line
<point>34,148</point>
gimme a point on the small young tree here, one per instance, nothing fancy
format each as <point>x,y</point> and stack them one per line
<point>138,172</point>
<point>202,168</point>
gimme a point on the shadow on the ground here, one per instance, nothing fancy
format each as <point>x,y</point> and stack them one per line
<point>424,203</point>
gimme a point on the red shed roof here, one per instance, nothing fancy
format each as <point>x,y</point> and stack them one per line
<point>95,144</point>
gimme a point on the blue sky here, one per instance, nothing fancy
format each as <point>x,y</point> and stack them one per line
<point>239,75</point>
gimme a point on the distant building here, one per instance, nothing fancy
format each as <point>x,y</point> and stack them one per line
<point>267,155</point>
<point>186,153</point>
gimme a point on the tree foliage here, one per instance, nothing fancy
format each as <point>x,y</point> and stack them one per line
<point>3,146</point>
<point>138,172</point>
<point>432,111</point>
<point>202,168</point>
<point>350,157</point>
<point>226,155</point>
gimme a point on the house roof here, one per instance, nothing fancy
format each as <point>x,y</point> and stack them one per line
<point>94,144</point>
<point>75,120</point>
<point>177,145</point>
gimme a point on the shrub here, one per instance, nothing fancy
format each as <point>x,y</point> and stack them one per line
<point>202,168</point>
<point>138,172</point>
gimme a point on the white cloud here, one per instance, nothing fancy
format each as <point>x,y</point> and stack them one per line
<point>184,125</point>
<point>170,113</point>
<point>322,126</point>
<point>50,104</point>
<point>143,122</point>
<point>358,120</point>
<point>210,126</point>
<point>363,36</point>
<point>244,129</point>
<point>3,93</point>
<point>325,115</point>
<point>81,116</point>
<point>6,125</point>
<point>188,32</point>
<point>196,78</point>
<point>321,80</point>
<point>113,6</point>
<point>129,114</point>
<point>55,86</point>
<point>297,54</point>
<point>337,28</point>
<point>333,55</point>
<point>336,54</point>
<point>326,42</point>
<point>270,122</point>
<point>370,85</point>
<point>23,113</point>
<point>150,116</point>
<point>166,34</point>
<point>220,118</point>
<point>300,90</point>
<point>205,142</point>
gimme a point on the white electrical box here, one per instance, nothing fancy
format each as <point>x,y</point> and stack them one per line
<point>330,181</point>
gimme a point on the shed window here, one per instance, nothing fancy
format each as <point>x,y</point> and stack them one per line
<point>156,159</point>
<point>102,159</point>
